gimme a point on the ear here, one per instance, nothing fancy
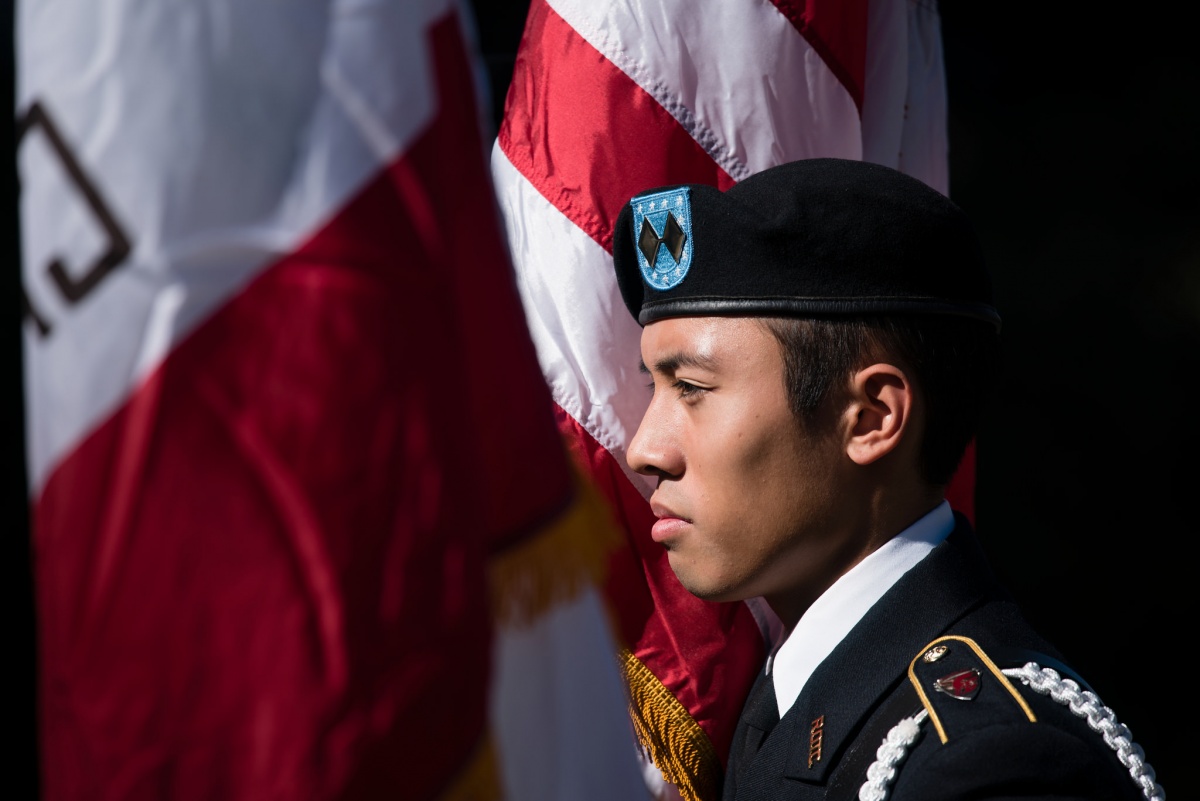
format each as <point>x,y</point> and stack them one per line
<point>881,409</point>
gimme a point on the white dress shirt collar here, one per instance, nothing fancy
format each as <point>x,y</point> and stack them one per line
<point>840,607</point>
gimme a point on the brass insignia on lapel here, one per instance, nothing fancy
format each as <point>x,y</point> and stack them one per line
<point>816,735</point>
<point>963,685</point>
<point>935,653</point>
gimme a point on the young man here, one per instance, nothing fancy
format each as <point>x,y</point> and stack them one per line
<point>820,340</point>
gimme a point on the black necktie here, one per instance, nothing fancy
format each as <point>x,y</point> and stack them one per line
<point>759,716</point>
<point>762,709</point>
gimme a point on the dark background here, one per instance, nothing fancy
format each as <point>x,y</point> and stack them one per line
<point>1074,146</point>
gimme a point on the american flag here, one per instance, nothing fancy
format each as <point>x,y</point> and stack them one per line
<point>610,98</point>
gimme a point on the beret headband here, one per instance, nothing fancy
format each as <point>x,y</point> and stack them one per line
<point>816,237</point>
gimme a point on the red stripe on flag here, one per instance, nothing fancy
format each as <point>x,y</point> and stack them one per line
<point>683,640</point>
<point>263,577</point>
<point>585,134</point>
<point>837,30</point>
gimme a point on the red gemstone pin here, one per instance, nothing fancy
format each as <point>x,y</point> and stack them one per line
<point>963,685</point>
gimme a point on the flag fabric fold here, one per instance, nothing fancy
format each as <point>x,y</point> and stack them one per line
<point>294,468</point>
<point>609,98</point>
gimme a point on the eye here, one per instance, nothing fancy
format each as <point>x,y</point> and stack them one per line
<point>687,389</point>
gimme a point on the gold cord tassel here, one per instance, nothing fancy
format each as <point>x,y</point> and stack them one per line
<point>553,565</point>
<point>673,739</point>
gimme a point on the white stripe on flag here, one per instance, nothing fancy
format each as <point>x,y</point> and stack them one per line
<point>904,113</point>
<point>558,708</point>
<point>587,343</point>
<point>737,76</point>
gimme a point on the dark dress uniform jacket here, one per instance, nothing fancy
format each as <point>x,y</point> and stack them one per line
<point>823,745</point>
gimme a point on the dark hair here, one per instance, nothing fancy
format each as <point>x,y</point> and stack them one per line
<point>955,362</point>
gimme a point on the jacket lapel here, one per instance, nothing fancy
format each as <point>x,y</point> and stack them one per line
<point>870,662</point>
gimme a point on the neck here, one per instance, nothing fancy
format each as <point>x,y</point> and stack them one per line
<point>874,521</point>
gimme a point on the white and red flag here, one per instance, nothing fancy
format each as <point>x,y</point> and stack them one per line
<point>609,98</point>
<point>303,524</point>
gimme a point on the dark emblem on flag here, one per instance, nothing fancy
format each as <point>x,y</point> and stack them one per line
<point>663,225</point>
<point>75,284</point>
<point>963,685</point>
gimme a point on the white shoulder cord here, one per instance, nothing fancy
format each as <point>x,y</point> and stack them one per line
<point>1083,703</point>
<point>895,747</point>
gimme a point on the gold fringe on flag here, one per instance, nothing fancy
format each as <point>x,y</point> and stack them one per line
<point>553,565</point>
<point>480,779</point>
<point>672,739</point>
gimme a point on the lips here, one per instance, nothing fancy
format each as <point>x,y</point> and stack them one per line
<point>669,524</point>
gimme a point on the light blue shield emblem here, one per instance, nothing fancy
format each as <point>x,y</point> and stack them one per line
<point>662,229</point>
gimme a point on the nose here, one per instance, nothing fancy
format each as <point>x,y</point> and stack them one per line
<point>654,450</point>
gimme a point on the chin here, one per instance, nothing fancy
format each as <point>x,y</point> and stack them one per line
<point>707,588</point>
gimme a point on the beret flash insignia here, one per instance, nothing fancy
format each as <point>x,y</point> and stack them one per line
<point>662,228</point>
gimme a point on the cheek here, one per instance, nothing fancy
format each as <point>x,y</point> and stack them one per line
<point>767,451</point>
<point>780,478</point>
<point>748,472</point>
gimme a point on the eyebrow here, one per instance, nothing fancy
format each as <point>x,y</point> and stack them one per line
<point>672,362</point>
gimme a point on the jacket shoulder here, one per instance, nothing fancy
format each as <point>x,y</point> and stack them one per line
<point>990,721</point>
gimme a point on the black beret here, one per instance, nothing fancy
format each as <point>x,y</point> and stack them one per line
<point>809,238</point>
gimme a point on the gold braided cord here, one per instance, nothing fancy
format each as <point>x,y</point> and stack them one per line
<point>479,780</point>
<point>555,564</point>
<point>674,741</point>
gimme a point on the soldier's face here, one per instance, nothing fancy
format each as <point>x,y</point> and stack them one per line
<point>747,502</point>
